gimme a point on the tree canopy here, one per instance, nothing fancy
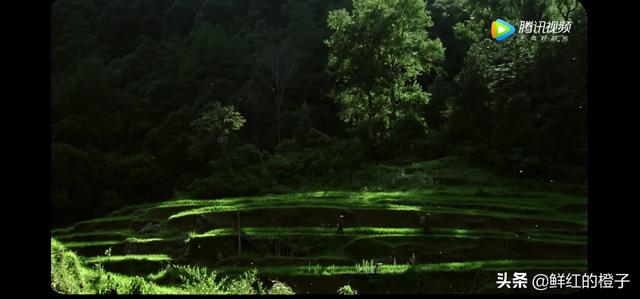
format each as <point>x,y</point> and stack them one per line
<point>376,54</point>
<point>156,99</point>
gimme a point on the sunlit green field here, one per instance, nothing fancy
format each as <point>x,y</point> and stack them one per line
<point>479,226</point>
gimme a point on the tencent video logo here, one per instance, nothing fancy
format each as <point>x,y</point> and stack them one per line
<point>501,30</point>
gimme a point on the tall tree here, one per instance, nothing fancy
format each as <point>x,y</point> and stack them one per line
<point>277,65</point>
<point>376,53</point>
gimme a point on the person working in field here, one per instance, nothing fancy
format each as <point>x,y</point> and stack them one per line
<point>340,225</point>
<point>424,222</point>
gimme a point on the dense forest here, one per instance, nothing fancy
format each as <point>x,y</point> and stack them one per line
<point>160,99</point>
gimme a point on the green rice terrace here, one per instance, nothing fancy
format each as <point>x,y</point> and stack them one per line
<point>478,225</point>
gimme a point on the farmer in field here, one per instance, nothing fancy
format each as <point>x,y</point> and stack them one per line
<point>340,225</point>
<point>424,222</point>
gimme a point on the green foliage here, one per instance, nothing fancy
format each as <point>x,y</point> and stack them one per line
<point>280,288</point>
<point>138,286</point>
<point>103,283</point>
<point>218,121</point>
<point>366,266</point>
<point>196,280</point>
<point>155,99</point>
<point>510,94</point>
<point>376,53</point>
<point>66,271</point>
<point>199,281</point>
<point>223,99</point>
<point>247,283</point>
<point>70,276</point>
<point>347,290</point>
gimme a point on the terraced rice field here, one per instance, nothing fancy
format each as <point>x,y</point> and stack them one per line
<point>292,238</point>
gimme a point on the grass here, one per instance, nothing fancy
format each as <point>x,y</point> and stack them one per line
<point>148,240</point>
<point>109,219</point>
<point>500,199</point>
<point>91,243</point>
<point>347,290</point>
<point>562,217</point>
<point>519,207</point>
<point>554,239</point>
<point>97,221</point>
<point>367,267</point>
<point>260,259</point>
<point>84,244</point>
<point>70,276</point>
<point>449,166</point>
<point>458,194</point>
<point>429,196</point>
<point>130,257</point>
<point>535,235</point>
<point>447,201</point>
<point>111,233</point>
<point>62,230</point>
